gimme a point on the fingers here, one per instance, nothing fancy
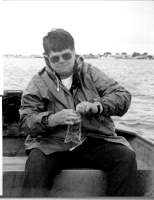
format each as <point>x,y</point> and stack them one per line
<point>86,107</point>
<point>69,116</point>
<point>81,107</point>
<point>72,120</point>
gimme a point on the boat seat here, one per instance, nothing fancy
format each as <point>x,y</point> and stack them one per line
<point>72,182</point>
<point>68,183</point>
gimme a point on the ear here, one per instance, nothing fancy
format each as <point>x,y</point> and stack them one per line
<point>46,60</point>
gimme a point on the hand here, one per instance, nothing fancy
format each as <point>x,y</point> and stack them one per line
<point>88,107</point>
<point>64,117</point>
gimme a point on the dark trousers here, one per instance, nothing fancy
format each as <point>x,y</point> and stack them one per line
<point>116,159</point>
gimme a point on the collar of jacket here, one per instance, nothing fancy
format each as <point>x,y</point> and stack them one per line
<point>56,77</point>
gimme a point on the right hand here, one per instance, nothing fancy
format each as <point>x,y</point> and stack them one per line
<point>87,107</point>
<point>64,117</point>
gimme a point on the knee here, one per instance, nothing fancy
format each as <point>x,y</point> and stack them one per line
<point>36,160</point>
<point>129,157</point>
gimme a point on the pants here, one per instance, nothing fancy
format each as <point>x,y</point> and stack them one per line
<point>116,159</point>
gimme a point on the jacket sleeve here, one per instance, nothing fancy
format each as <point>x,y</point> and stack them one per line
<point>114,98</point>
<point>33,112</point>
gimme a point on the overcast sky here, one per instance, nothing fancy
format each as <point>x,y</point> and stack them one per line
<point>97,26</point>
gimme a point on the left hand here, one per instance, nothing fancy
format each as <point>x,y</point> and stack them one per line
<point>87,107</point>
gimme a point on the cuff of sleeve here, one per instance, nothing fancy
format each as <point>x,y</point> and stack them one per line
<point>45,119</point>
<point>103,108</point>
<point>106,108</point>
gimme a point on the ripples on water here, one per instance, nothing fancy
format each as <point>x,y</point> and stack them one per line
<point>135,75</point>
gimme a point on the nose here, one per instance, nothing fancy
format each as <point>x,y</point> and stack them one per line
<point>61,59</point>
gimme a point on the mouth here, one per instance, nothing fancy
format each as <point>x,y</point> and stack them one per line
<point>62,67</point>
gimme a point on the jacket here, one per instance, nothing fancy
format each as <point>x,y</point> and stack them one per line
<point>45,95</point>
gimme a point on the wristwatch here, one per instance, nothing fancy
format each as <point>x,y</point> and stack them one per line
<point>99,107</point>
<point>45,121</point>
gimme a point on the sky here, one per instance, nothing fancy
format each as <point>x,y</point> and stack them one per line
<point>97,26</point>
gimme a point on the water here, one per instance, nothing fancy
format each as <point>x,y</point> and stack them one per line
<point>135,75</point>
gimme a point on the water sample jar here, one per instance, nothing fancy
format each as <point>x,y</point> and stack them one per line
<point>74,132</point>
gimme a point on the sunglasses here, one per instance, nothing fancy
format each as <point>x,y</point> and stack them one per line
<point>65,56</point>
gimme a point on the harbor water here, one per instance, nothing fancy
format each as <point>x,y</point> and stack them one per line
<point>135,75</point>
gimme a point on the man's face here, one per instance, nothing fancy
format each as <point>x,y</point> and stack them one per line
<point>62,62</point>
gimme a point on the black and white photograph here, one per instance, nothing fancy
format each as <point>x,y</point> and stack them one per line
<point>77,99</point>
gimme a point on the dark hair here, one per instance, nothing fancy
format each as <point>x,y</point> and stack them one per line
<point>57,40</point>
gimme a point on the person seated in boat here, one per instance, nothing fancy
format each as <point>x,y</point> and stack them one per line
<point>66,112</point>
